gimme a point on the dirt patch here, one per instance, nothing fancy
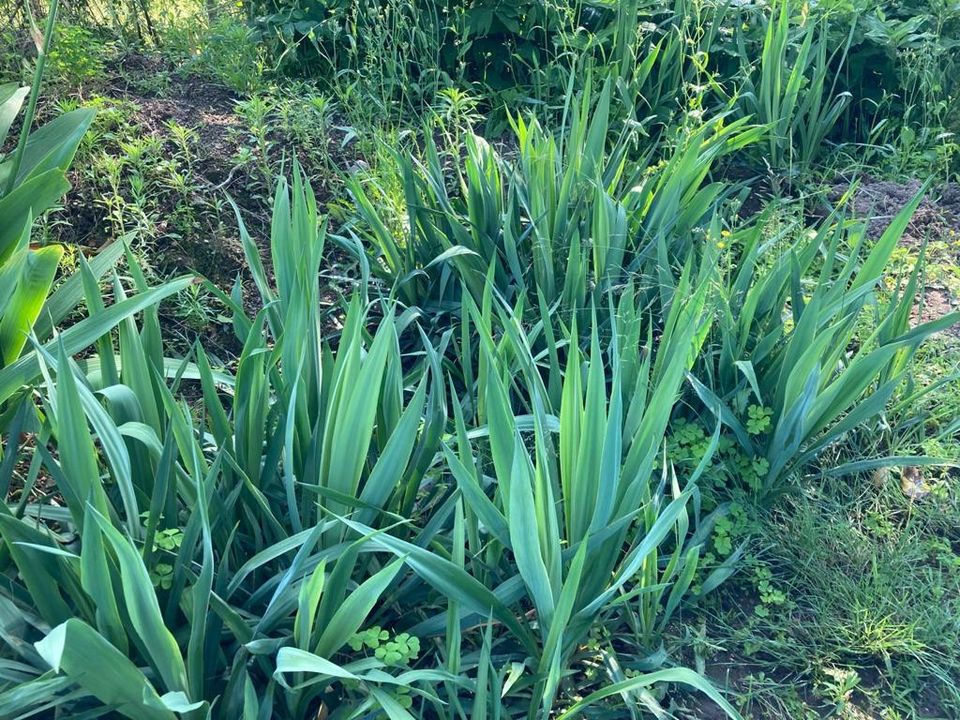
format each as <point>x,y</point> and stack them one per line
<point>211,246</point>
<point>934,304</point>
<point>167,154</point>
<point>936,222</point>
<point>879,201</point>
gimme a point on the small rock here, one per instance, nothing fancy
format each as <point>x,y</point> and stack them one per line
<point>912,484</point>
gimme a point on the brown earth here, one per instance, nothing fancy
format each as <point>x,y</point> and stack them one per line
<point>880,200</point>
<point>207,109</point>
<point>212,248</point>
<point>936,220</point>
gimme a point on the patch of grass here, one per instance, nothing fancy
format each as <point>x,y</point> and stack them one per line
<point>851,583</point>
<point>223,49</point>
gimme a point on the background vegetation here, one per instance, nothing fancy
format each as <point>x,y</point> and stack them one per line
<point>448,359</point>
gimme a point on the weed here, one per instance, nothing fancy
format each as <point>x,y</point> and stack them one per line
<point>77,57</point>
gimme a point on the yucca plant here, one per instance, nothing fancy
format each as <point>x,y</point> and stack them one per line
<point>193,542</point>
<point>807,332</point>
<point>232,557</point>
<point>661,51</point>
<point>562,510</point>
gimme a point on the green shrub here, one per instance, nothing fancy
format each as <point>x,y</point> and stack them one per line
<point>236,556</point>
<point>489,490</point>
<point>223,49</point>
<point>570,218</point>
<point>77,57</point>
<point>32,179</point>
<point>807,331</point>
<point>389,58</point>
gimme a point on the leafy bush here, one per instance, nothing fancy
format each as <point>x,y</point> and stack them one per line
<point>222,49</point>
<point>32,179</point>
<point>401,54</point>
<point>77,56</point>
<point>487,484</point>
<point>483,38</point>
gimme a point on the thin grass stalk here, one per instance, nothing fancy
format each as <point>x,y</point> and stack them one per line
<point>43,48</point>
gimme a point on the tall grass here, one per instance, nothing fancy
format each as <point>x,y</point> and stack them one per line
<point>809,331</point>
<point>790,89</point>
<point>289,545</point>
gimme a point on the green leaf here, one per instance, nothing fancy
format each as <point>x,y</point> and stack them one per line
<point>144,610</point>
<point>11,100</point>
<point>75,649</point>
<point>294,660</point>
<point>38,269</point>
<point>673,675</point>
<point>352,613</point>
<point>85,333</point>
<point>450,580</point>
<point>27,201</point>
<point>51,147</point>
<point>69,293</point>
<point>524,537</point>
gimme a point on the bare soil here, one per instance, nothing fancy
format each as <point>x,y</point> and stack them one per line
<point>211,247</point>
<point>936,221</point>
<point>206,108</point>
<point>880,200</point>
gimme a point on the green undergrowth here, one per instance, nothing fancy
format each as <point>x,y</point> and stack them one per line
<point>415,359</point>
